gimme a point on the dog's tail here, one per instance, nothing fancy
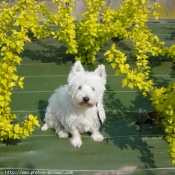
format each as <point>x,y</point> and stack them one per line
<point>45,127</point>
<point>50,120</point>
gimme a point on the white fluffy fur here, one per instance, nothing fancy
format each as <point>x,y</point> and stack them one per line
<point>73,107</point>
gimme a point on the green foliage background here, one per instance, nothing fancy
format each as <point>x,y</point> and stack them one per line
<point>21,16</point>
<point>84,39</point>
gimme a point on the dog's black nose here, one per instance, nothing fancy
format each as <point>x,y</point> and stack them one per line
<point>85,99</point>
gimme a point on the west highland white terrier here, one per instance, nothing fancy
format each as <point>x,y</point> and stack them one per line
<point>78,107</point>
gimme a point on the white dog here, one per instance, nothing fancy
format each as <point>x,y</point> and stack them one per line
<point>77,107</point>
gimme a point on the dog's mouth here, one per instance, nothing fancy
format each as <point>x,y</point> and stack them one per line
<point>85,104</point>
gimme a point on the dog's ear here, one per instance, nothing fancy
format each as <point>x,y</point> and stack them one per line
<point>100,71</point>
<point>76,68</point>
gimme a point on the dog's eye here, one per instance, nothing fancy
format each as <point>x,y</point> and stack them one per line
<point>93,89</point>
<point>79,87</point>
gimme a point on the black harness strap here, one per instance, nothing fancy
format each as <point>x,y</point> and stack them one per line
<point>98,115</point>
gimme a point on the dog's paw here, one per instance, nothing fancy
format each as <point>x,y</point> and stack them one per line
<point>63,134</point>
<point>97,137</point>
<point>45,127</point>
<point>76,142</point>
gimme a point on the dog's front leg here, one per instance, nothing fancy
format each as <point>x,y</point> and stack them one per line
<point>76,138</point>
<point>96,136</point>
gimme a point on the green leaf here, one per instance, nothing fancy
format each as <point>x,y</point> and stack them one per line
<point>169,129</point>
<point>14,77</point>
<point>124,82</point>
<point>21,84</point>
<point>113,65</point>
<point>2,104</point>
<point>4,82</point>
<point>107,53</point>
<point>1,97</point>
<point>131,85</point>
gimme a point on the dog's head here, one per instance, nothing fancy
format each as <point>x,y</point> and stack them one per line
<point>86,88</point>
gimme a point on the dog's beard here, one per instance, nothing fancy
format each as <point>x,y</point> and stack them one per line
<point>83,104</point>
